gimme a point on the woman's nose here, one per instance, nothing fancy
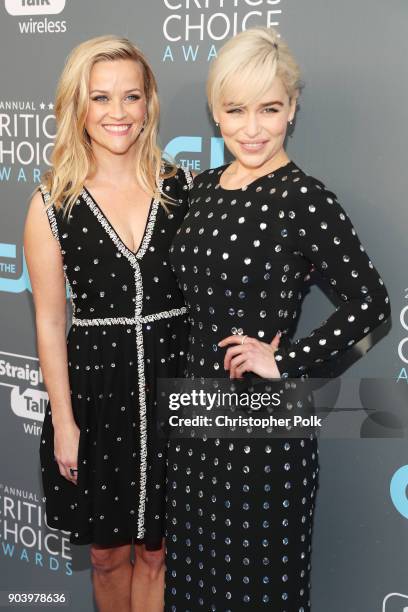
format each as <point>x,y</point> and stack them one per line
<point>117,110</point>
<point>252,126</point>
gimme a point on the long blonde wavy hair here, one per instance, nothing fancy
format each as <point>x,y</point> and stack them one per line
<point>72,158</point>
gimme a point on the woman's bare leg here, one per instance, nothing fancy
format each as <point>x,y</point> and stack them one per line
<point>148,580</point>
<point>112,577</point>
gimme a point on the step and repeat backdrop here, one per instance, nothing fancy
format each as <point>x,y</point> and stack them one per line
<point>351,131</point>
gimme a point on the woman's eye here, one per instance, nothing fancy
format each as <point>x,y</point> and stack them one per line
<point>270,109</point>
<point>103,98</point>
<point>234,110</point>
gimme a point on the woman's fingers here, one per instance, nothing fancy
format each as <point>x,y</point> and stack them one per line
<point>276,340</point>
<point>65,471</point>
<point>72,477</point>
<point>244,367</point>
<point>237,339</point>
<point>246,354</point>
<point>237,361</point>
<point>232,352</point>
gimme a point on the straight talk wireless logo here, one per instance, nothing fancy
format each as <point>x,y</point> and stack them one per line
<point>28,398</point>
<point>33,8</point>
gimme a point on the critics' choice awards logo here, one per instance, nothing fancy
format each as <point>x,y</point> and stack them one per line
<point>399,480</point>
<point>192,29</point>
<point>28,398</point>
<point>27,132</point>
<point>25,535</point>
<point>403,344</point>
<point>35,8</point>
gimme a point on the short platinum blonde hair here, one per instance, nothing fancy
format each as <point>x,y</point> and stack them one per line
<point>247,65</point>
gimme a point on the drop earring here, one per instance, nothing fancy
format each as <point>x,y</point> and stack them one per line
<point>143,124</point>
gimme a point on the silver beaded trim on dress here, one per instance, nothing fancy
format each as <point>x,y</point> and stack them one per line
<point>138,320</point>
<point>108,228</point>
<point>50,213</point>
<point>189,178</point>
<point>54,229</point>
<point>165,314</point>
<point>156,316</point>
<point>142,401</point>
<point>149,227</point>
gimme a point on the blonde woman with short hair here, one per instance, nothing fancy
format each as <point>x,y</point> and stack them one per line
<point>102,223</point>
<point>240,509</point>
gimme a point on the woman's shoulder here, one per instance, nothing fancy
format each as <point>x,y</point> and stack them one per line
<point>176,177</point>
<point>212,172</point>
<point>208,178</point>
<point>310,201</point>
<point>304,185</point>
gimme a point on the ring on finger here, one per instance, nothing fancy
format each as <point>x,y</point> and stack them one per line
<point>243,339</point>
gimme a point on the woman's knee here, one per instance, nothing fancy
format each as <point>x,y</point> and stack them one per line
<point>153,561</point>
<point>107,560</point>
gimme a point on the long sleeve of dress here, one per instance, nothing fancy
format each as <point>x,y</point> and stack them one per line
<point>322,232</point>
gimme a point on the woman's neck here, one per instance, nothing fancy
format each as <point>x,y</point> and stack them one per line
<point>111,167</point>
<point>242,172</point>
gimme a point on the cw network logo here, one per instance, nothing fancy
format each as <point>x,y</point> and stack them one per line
<point>34,7</point>
<point>398,491</point>
<point>395,602</point>
<point>13,274</point>
<point>188,150</point>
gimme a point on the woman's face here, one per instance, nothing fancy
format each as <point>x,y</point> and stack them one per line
<point>254,133</point>
<point>117,105</point>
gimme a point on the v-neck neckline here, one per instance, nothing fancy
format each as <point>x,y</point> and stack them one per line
<point>114,234</point>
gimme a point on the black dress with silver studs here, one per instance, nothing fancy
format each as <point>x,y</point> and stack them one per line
<point>129,326</point>
<point>240,512</point>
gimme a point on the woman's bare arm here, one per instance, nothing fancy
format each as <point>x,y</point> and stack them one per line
<point>45,266</point>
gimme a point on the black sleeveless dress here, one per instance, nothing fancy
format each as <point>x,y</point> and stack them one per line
<point>129,326</point>
<point>240,511</point>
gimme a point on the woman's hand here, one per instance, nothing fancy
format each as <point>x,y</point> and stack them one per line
<point>250,355</point>
<point>66,443</point>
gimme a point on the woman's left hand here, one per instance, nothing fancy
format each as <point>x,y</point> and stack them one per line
<point>246,354</point>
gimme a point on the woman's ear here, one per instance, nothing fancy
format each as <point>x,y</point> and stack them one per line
<point>292,105</point>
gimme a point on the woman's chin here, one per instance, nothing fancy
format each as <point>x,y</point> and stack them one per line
<point>119,148</point>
